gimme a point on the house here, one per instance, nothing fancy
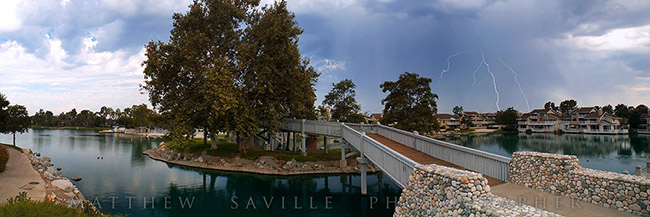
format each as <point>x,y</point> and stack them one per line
<point>448,121</point>
<point>540,121</point>
<point>581,120</point>
<point>482,120</point>
<point>375,117</point>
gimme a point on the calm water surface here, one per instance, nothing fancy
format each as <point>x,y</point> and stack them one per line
<point>604,152</point>
<point>125,181</point>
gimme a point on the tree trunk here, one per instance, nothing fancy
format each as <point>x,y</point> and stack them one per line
<point>205,137</point>
<point>241,144</point>
<point>14,139</point>
<point>213,140</point>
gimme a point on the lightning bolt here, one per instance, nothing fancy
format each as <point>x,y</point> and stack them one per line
<point>448,64</point>
<point>517,81</point>
<point>494,80</point>
<point>474,74</point>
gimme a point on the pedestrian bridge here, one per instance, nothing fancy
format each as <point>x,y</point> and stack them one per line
<point>397,152</point>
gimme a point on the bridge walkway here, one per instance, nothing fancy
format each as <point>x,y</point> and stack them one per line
<point>421,157</point>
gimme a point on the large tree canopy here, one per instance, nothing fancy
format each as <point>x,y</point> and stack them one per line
<point>3,111</point>
<point>410,105</point>
<point>18,121</point>
<point>229,67</point>
<point>344,105</point>
<point>508,118</point>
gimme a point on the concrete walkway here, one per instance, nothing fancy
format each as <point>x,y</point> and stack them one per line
<point>554,203</point>
<point>20,176</point>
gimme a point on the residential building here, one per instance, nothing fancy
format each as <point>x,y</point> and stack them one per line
<point>375,117</point>
<point>540,120</point>
<point>482,120</point>
<point>645,124</point>
<point>582,120</point>
<point>448,121</point>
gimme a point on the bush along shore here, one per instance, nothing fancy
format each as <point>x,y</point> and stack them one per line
<point>58,188</point>
<point>262,165</point>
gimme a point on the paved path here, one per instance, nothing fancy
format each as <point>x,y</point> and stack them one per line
<point>422,157</point>
<point>17,177</point>
<point>554,203</point>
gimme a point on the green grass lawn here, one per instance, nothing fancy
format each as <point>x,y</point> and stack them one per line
<point>12,146</point>
<point>226,149</point>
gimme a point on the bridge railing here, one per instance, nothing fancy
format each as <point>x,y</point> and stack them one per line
<point>397,166</point>
<point>492,165</point>
<point>312,127</point>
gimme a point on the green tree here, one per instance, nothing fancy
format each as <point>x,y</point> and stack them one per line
<point>567,106</point>
<point>410,104</point>
<point>550,105</point>
<point>142,116</point>
<point>622,111</point>
<point>277,81</point>
<point>608,109</point>
<point>324,113</point>
<point>191,78</point>
<point>458,111</point>
<point>508,118</point>
<point>4,115</point>
<point>18,121</point>
<point>217,75</point>
<point>344,105</point>
<point>85,118</point>
<point>643,109</point>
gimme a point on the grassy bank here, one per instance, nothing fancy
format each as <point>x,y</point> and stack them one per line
<point>24,207</point>
<point>69,128</point>
<point>230,150</point>
<point>4,158</point>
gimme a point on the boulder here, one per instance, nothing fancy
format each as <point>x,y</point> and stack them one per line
<point>76,178</point>
<point>63,184</point>
<point>46,159</point>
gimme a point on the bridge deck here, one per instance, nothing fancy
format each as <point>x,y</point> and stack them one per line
<point>421,157</point>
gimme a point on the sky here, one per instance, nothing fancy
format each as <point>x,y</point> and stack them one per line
<point>483,55</point>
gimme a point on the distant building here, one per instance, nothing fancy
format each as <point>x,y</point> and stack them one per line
<point>482,120</point>
<point>448,121</point>
<point>582,120</point>
<point>645,124</point>
<point>375,117</point>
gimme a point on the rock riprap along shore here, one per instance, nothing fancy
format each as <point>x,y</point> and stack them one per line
<point>435,190</point>
<point>262,165</point>
<point>58,188</point>
<point>563,175</point>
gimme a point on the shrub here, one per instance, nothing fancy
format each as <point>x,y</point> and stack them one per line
<point>24,207</point>
<point>4,157</point>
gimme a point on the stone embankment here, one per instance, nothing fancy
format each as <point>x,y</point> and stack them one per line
<point>58,188</point>
<point>263,165</point>
<point>563,175</point>
<point>435,190</point>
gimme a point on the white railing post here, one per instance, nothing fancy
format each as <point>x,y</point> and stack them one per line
<point>363,161</point>
<point>304,138</point>
<point>343,163</point>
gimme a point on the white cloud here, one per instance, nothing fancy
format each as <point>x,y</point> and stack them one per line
<point>9,19</point>
<point>59,82</point>
<point>635,39</point>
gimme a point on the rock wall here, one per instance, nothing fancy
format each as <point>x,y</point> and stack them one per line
<point>563,175</point>
<point>435,190</point>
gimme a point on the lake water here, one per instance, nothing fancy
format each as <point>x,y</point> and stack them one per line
<point>604,152</point>
<point>126,181</point>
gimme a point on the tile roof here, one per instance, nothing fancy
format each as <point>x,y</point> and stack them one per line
<point>445,116</point>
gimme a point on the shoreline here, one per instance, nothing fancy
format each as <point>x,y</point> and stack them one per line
<point>58,187</point>
<point>264,165</point>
